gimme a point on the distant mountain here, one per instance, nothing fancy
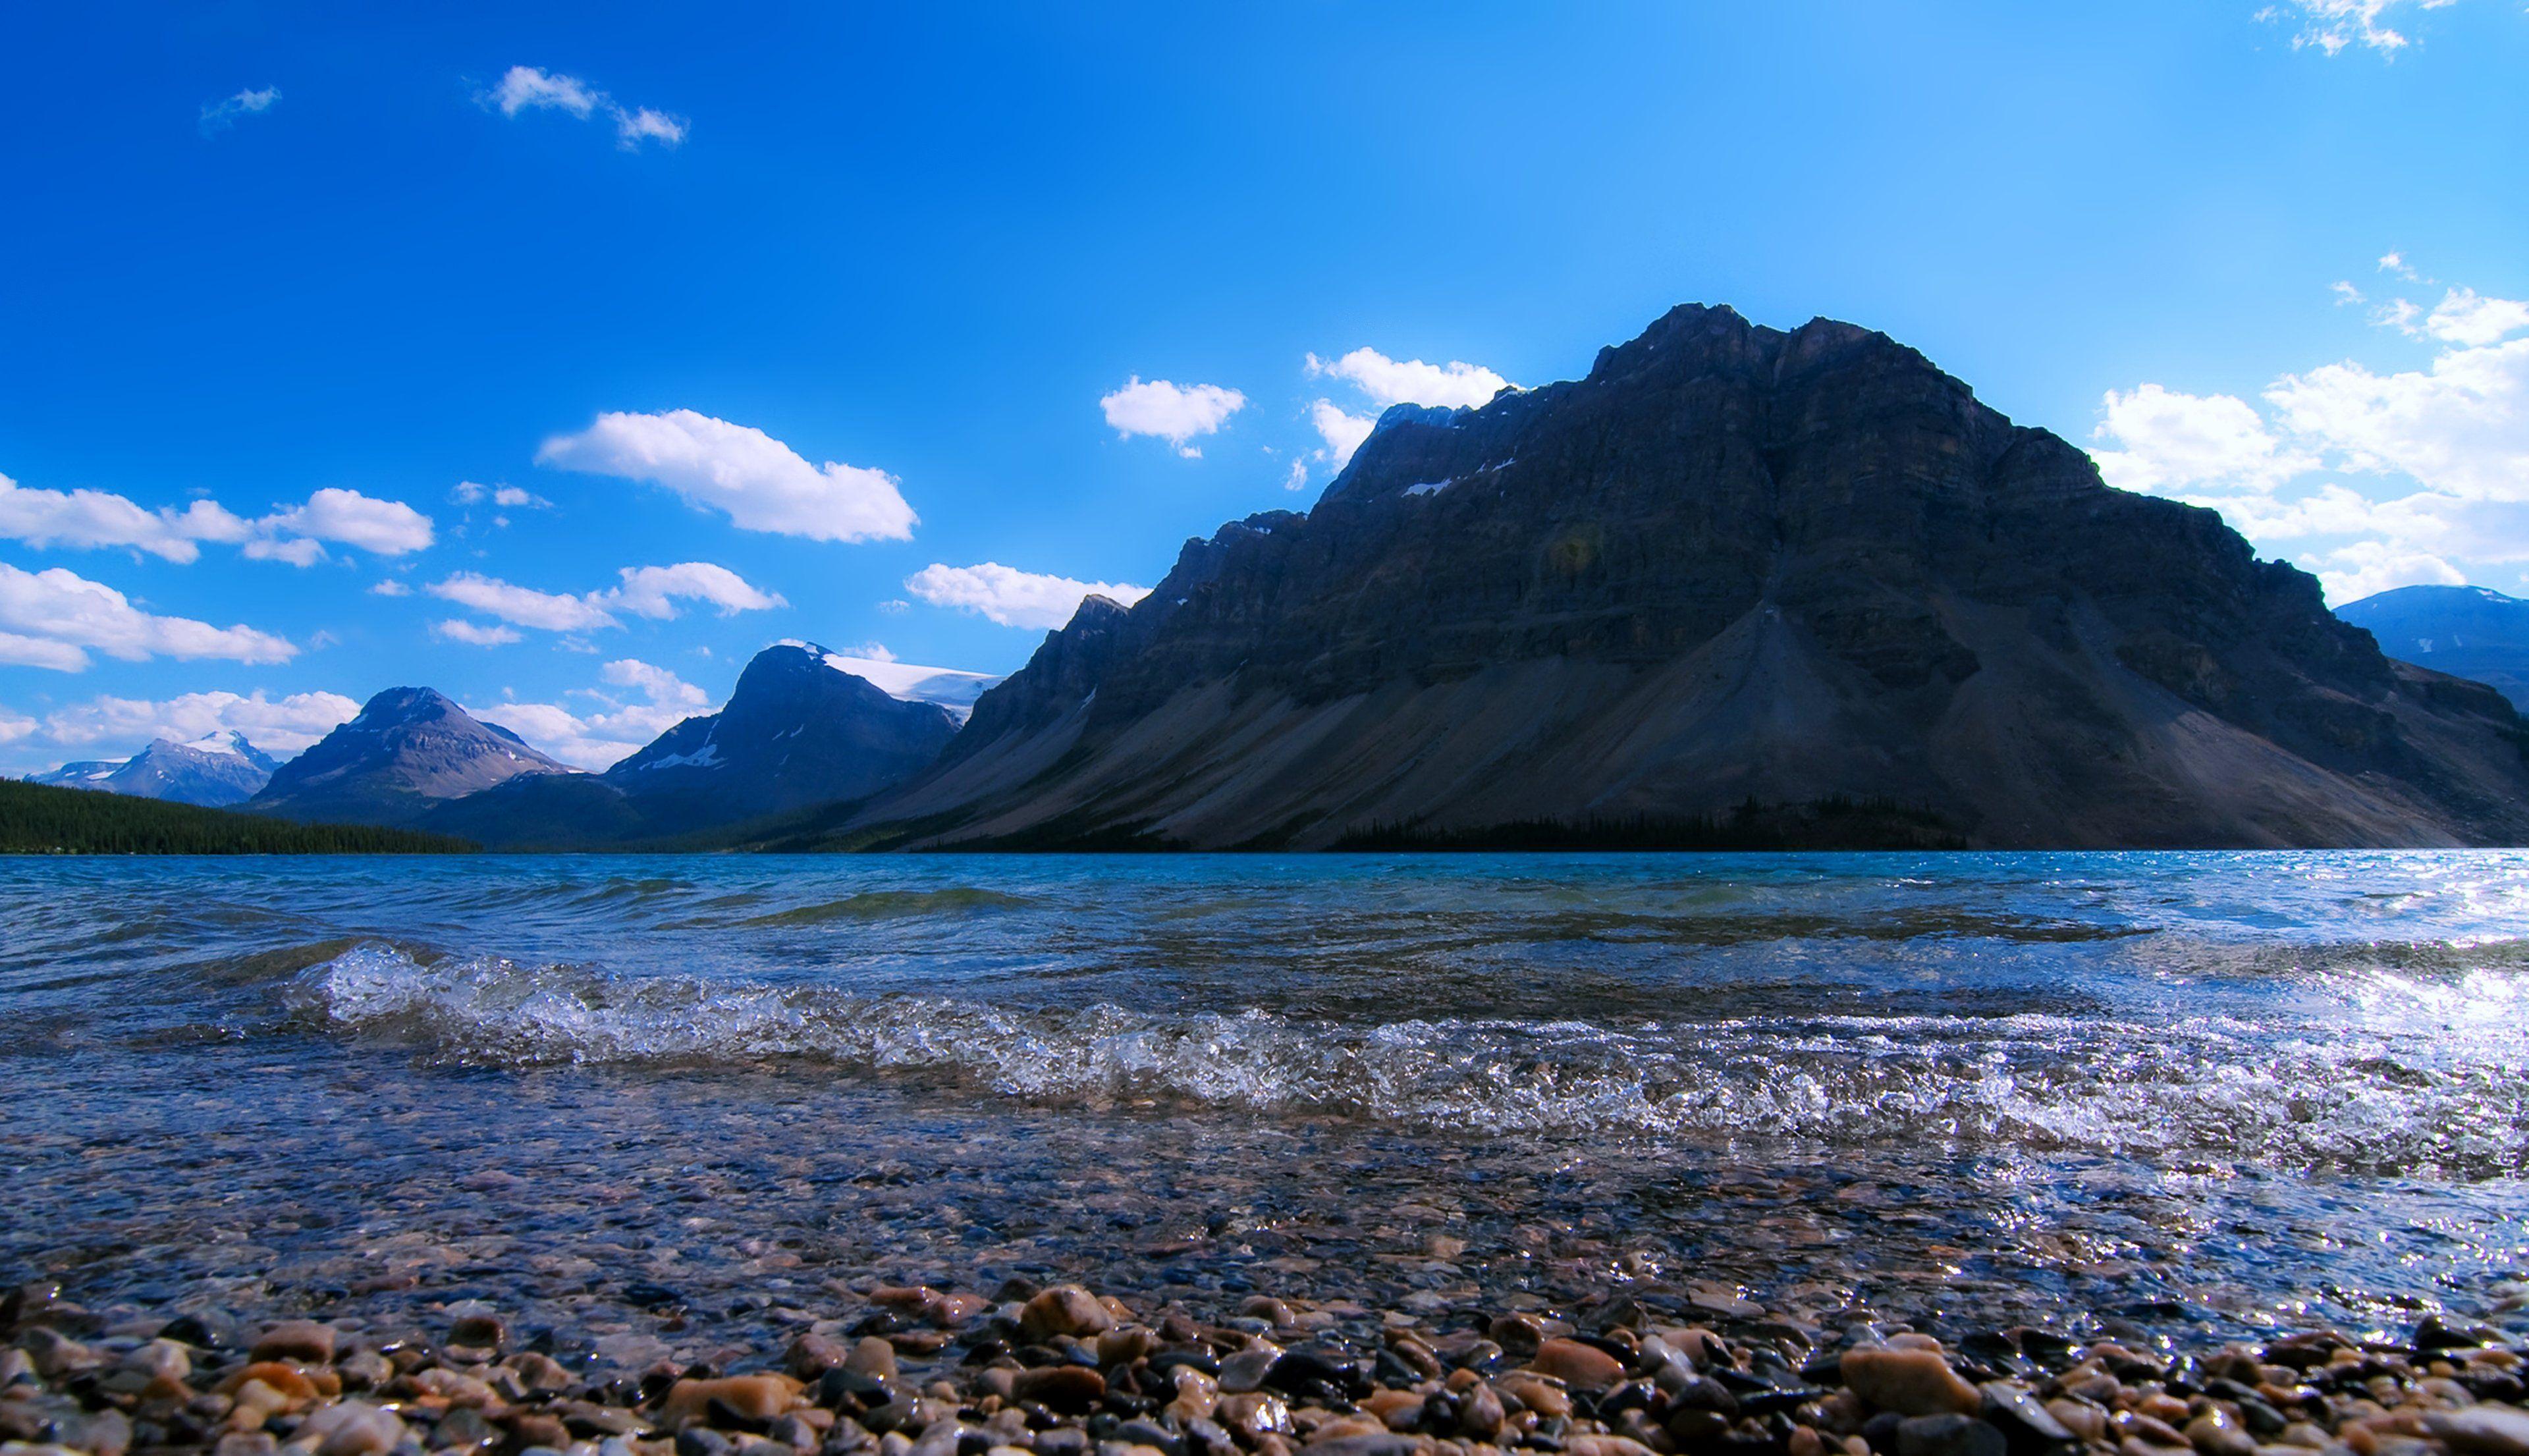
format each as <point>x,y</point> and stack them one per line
<point>2467,631</point>
<point>216,771</point>
<point>1735,586</point>
<point>409,750</point>
<point>802,728</point>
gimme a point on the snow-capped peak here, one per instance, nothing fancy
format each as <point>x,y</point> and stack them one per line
<point>225,741</point>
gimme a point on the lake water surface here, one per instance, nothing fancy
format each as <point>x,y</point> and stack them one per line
<point>654,1106</point>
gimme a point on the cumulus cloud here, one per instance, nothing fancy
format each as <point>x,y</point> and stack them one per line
<point>13,728</point>
<point>552,612</point>
<point>654,591</point>
<point>53,618</point>
<point>533,88</point>
<point>659,685</point>
<point>89,520</point>
<point>92,519</point>
<point>1176,413</point>
<point>218,116</point>
<point>2336,26</point>
<point>2430,466</point>
<point>2174,440</point>
<point>1384,382</point>
<point>615,727</point>
<point>390,587</point>
<point>474,634</point>
<point>760,483</point>
<point>1343,433</point>
<point>385,527</point>
<point>643,591</point>
<point>1011,597</point>
<point>284,725</point>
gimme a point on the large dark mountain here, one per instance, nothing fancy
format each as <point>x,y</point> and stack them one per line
<point>1735,576</point>
<point>409,750</point>
<point>798,730</point>
<point>2467,631</point>
<point>215,771</point>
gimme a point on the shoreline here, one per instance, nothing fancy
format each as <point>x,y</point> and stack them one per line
<point>876,1370</point>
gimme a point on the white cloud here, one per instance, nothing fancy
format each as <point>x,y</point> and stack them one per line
<point>219,115</point>
<point>2172,439</point>
<point>2430,468</point>
<point>89,520</point>
<point>2462,317</point>
<point>760,483</point>
<point>277,725</point>
<point>2346,292</point>
<point>2334,26</point>
<point>1172,413</point>
<point>1298,475</point>
<point>617,729</point>
<point>653,591</point>
<point>51,620</point>
<point>298,551</point>
<point>17,651</point>
<point>13,728</point>
<point>532,89</point>
<point>390,587</point>
<point>2367,568</point>
<point>641,124</point>
<point>2395,262</point>
<point>1386,381</point>
<point>1012,598</point>
<point>551,612</point>
<point>1342,432</point>
<point>2460,427</point>
<point>515,499</point>
<point>474,634</point>
<point>645,591</point>
<point>385,527</point>
<point>661,687</point>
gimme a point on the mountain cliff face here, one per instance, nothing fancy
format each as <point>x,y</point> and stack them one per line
<point>215,771</point>
<point>2466,631</point>
<point>1731,568</point>
<point>800,729</point>
<point>409,750</point>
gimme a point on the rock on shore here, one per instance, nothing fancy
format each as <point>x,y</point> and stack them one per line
<point>1065,1371</point>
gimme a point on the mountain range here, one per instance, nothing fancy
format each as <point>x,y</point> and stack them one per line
<point>1737,586</point>
<point>800,729</point>
<point>214,771</point>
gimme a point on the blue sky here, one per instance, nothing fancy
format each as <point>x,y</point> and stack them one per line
<point>804,316</point>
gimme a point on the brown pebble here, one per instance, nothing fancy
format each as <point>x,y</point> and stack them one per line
<point>1064,1310</point>
<point>285,1380</point>
<point>1910,1382</point>
<point>1578,1365</point>
<point>301,1340</point>
<point>2482,1431</point>
<point>872,1356</point>
<point>746,1397</point>
<point>1479,1413</point>
<point>1125,1345</point>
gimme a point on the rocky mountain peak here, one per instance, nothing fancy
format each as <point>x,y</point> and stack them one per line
<point>1732,564</point>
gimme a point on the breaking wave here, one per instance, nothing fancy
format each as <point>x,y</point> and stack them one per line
<point>2420,1075</point>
